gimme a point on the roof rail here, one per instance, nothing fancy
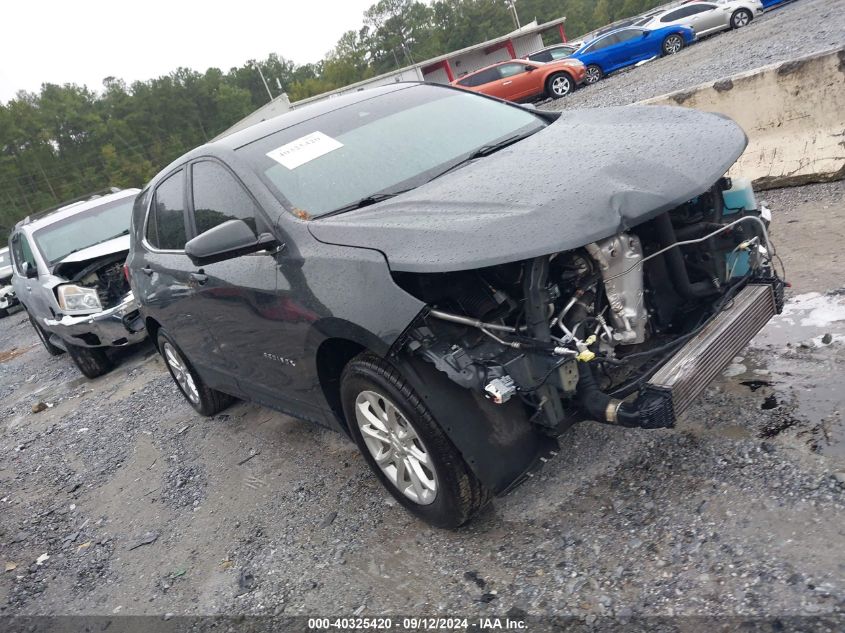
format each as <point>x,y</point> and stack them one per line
<point>83,198</point>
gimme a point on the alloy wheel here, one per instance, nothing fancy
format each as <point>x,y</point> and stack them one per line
<point>181,373</point>
<point>561,86</point>
<point>396,447</point>
<point>593,75</point>
<point>741,19</point>
<point>673,44</point>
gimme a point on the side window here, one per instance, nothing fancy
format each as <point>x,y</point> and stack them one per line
<point>22,253</point>
<point>480,78</point>
<point>702,8</point>
<point>673,15</point>
<point>545,56</point>
<point>560,53</point>
<point>166,223</point>
<point>509,70</point>
<point>626,36</point>
<point>219,197</point>
<point>609,40</point>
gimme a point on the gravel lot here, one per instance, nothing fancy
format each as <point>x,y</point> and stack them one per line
<point>118,499</point>
<point>796,29</point>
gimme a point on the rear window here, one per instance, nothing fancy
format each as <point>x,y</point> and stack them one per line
<point>166,223</point>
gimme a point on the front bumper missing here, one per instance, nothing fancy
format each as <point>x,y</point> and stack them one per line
<point>8,298</point>
<point>680,381</point>
<point>118,326</point>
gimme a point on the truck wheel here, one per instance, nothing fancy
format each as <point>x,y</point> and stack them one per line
<point>405,447</point>
<point>52,350</point>
<point>91,361</point>
<point>559,85</point>
<point>205,400</point>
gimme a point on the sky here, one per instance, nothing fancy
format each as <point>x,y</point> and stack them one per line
<point>84,41</point>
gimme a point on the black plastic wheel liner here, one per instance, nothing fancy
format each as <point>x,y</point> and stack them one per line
<point>498,442</point>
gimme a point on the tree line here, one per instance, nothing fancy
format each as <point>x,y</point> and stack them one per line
<point>68,140</point>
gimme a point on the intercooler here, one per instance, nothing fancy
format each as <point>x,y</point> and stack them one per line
<point>706,355</point>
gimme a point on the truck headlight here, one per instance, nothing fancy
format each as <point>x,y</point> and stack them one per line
<point>78,299</point>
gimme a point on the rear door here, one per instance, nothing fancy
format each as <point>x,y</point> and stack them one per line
<point>709,18</point>
<point>164,281</point>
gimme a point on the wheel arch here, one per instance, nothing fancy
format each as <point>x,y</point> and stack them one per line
<point>332,357</point>
<point>153,327</point>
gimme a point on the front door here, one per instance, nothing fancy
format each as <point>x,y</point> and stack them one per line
<point>252,326</point>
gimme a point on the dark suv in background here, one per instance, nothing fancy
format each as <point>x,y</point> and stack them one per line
<point>407,265</point>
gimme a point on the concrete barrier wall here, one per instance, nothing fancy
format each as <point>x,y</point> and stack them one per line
<point>793,113</point>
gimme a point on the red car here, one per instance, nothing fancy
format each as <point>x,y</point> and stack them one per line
<point>524,80</point>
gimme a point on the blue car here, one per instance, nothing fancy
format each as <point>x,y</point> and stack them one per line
<point>771,3</point>
<point>625,47</point>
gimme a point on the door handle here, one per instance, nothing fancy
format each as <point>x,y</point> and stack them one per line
<point>198,277</point>
<point>147,270</point>
<point>507,83</point>
<point>29,288</point>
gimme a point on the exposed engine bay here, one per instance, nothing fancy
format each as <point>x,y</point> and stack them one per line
<point>587,332</point>
<point>105,275</point>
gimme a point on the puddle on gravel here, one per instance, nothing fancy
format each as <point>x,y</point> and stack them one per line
<point>795,370</point>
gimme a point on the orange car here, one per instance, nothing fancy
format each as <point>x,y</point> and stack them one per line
<point>523,80</point>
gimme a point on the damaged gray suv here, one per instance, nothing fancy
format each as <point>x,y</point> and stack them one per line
<point>68,272</point>
<point>429,272</point>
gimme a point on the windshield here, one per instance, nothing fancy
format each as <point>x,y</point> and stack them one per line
<point>389,143</point>
<point>100,224</point>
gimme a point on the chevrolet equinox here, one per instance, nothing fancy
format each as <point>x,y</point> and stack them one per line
<point>428,271</point>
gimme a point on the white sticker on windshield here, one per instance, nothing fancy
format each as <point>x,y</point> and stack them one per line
<point>304,149</point>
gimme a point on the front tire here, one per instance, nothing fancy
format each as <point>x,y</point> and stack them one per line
<point>740,18</point>
<point>52,350</point>
<point>405,447</point>
<point>594,74</point>
<point>673,44</point>
<point>91,361</point>
<point>205,400</point>
<point>559,85</point>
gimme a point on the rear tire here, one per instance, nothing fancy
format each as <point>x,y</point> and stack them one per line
<point>205,400</point>
<point>559,85</point>
<point>673,44</point>
<point>91,361</point>
<point>740,18</point>
<point>420,466</point>
<point>44,337</point>
<point>594,74</point>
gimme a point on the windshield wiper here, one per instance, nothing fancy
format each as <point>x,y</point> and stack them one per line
<point>484,150</point>
<point>364,202</point>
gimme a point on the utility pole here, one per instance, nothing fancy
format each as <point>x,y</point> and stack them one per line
<point>514,14</point>
<point>264,81</point>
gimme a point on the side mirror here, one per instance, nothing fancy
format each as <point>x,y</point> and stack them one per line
<point>231,239</point>
<point>29,271</point>
<point>646,33</point>
<point>529,68</point>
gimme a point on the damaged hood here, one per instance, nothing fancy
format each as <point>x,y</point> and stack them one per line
<point>110,247</point>
<point>587,176</point>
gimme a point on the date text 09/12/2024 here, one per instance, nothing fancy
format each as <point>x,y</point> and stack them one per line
<point>415,623</point>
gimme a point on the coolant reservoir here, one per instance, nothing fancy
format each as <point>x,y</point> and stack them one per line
<point>740,196</point>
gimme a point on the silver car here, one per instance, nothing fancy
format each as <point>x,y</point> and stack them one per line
<point>67,271</point>
<point>7,293</point>
<point>706,18</point>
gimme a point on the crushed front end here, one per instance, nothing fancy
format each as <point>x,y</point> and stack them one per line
<point>96,306</point>
<point>626,330</point>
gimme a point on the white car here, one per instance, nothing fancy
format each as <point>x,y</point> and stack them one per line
<point>706,18</point>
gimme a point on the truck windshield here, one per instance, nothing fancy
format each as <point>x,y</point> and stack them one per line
<point>100,224</point>
<point>389,143</point>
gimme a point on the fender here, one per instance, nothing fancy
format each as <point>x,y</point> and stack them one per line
<point>498,442</point>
